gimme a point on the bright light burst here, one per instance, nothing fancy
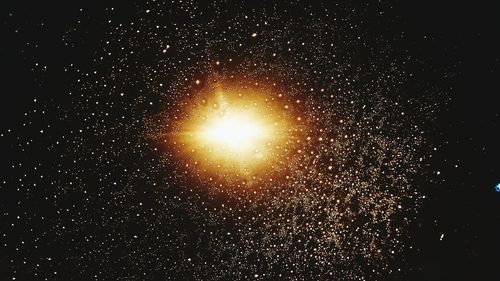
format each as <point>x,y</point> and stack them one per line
<point>237,132</point>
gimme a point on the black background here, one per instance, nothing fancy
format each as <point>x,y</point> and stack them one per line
<point>453,35</point>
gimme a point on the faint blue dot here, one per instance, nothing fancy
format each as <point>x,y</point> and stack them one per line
<point>497,188</point>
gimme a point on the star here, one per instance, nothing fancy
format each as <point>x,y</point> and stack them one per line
<point>235,131</point>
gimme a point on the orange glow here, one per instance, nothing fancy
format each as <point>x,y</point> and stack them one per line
<point>236,132</point>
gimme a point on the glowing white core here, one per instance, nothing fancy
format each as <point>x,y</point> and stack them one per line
<point>238,132</point>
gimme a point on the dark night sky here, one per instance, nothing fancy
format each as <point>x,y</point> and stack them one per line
<point>460,40</point>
